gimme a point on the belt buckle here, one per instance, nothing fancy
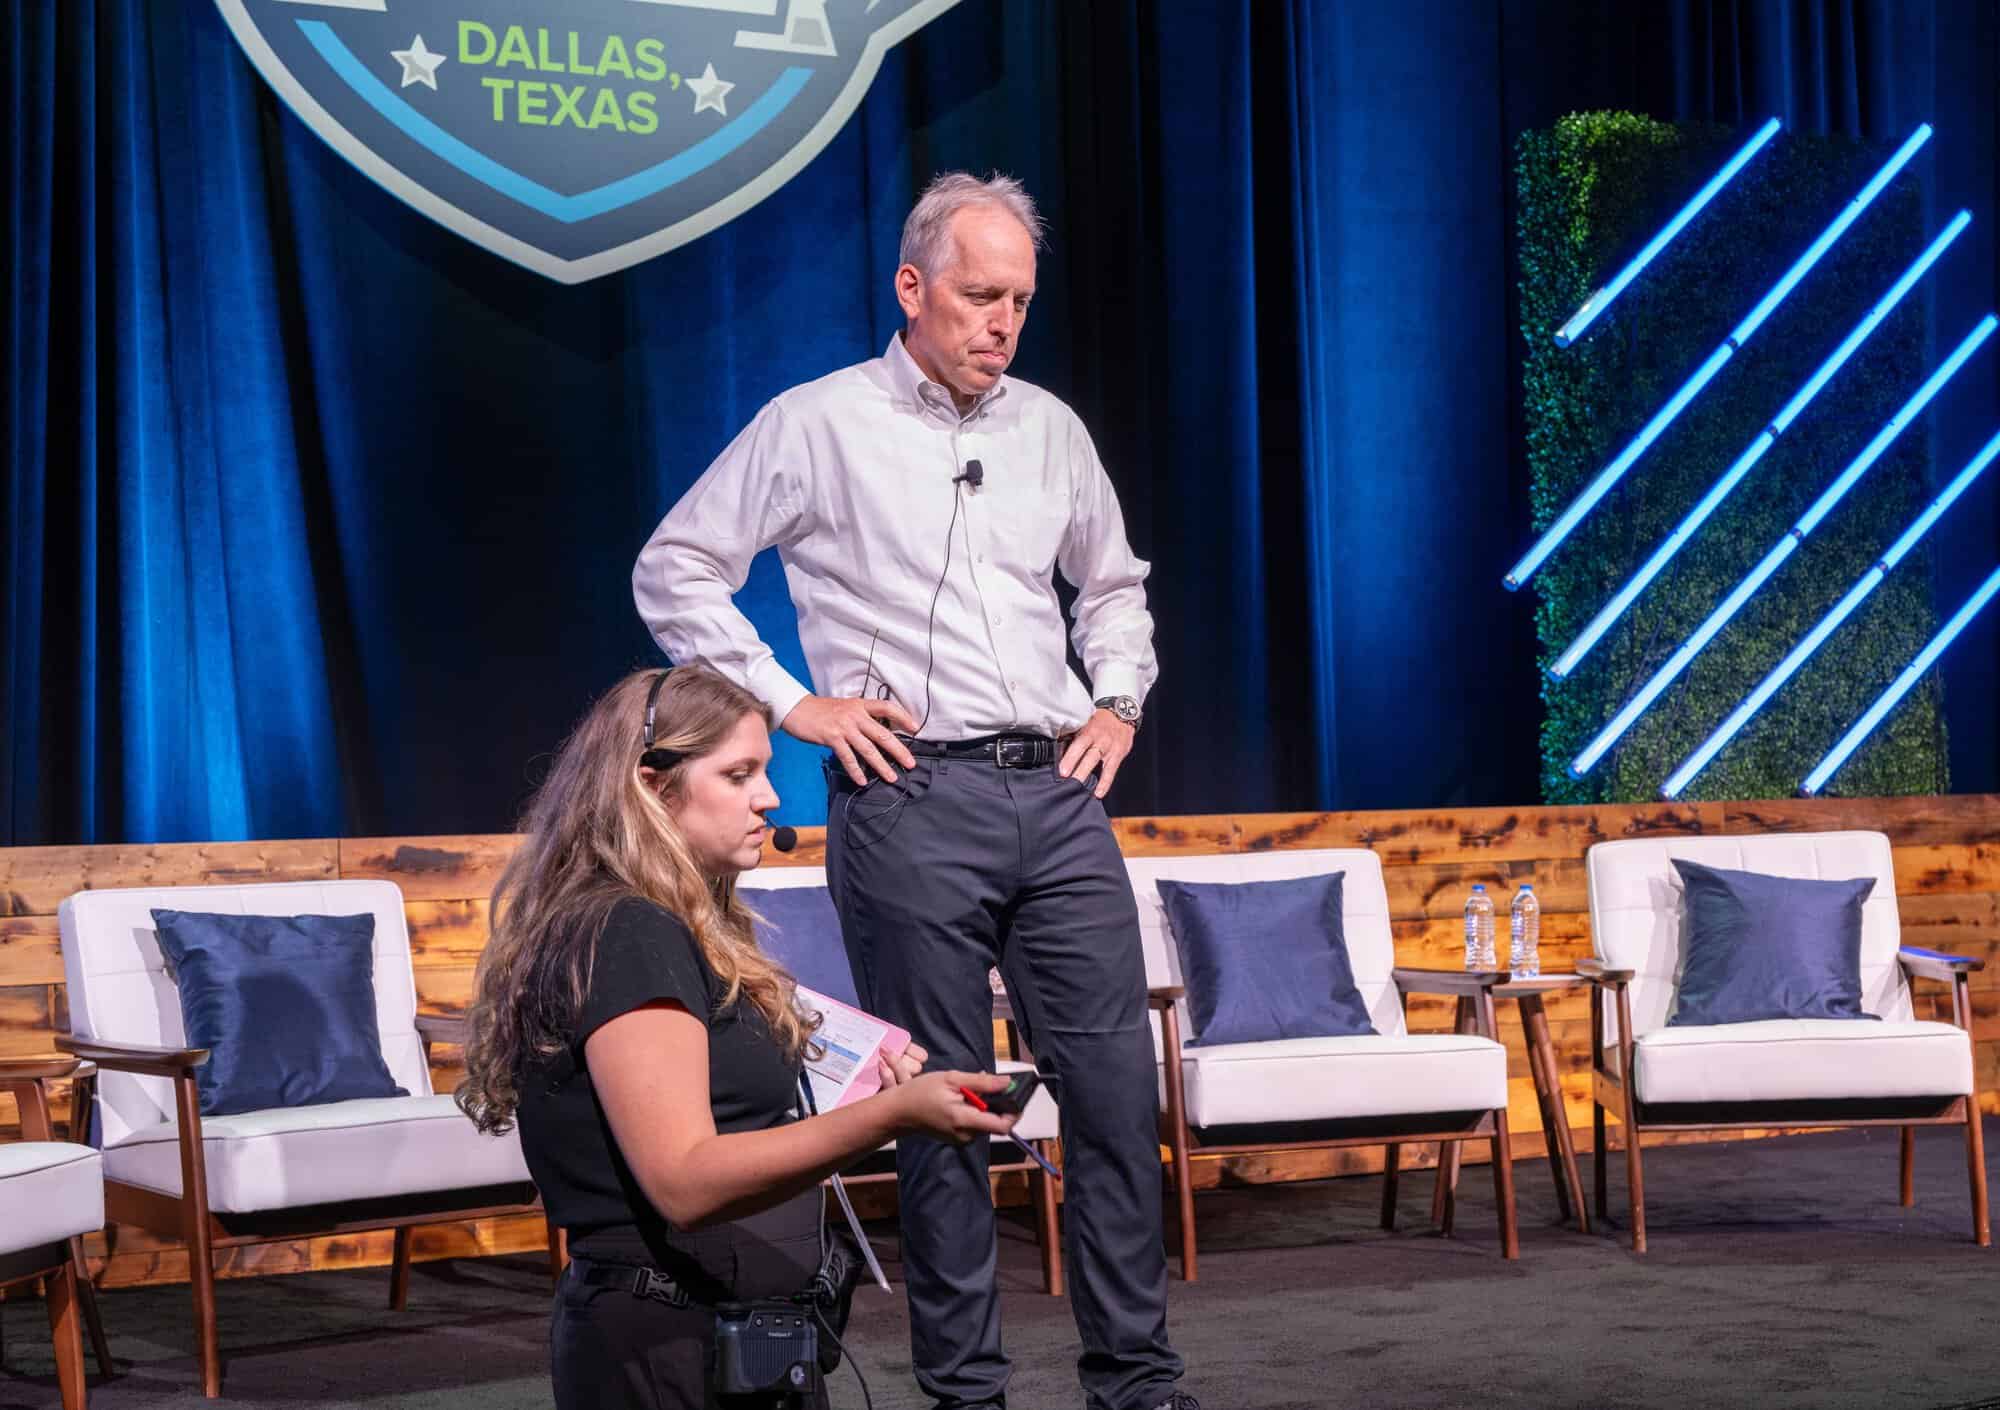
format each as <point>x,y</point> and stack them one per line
<point>649,1283</point>
<point>1013,753</point>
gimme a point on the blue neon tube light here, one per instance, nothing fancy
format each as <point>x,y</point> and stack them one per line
<point>1609,614</point>
<point>1611,474</point>
<point>1900,687</point>
<point>1604,297</point>
<point>1839,613</point>
<point>1730,605</point>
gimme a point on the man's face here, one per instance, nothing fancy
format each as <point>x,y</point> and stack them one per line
<point>965,320</point>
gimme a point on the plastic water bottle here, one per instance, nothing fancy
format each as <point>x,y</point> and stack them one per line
<point>1479,930</point>
<point>1524,957</point>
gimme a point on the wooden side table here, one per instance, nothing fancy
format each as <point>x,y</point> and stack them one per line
<point>1548,1094</point>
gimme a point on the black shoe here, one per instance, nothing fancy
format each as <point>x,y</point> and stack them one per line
<point>1180,1400</point>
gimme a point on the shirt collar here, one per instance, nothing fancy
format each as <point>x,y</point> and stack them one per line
<point>912,385</point>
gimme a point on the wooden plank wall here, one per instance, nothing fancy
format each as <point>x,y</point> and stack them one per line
<point>1947,869</point>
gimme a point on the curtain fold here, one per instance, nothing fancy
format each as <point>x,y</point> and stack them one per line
<point>319,520</point>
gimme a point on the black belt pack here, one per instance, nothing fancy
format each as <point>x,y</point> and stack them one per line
<point>767,1345</point>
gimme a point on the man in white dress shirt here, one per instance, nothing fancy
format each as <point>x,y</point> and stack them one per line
<point>920,503</point>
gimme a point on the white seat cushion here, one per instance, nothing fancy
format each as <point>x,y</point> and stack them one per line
<point>292,1156</point>
<point>1329,1079</point>
<point>50,1191</point>
<point>1803,1059</point>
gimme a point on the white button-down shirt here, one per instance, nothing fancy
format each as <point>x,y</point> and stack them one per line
<point>852,479</point>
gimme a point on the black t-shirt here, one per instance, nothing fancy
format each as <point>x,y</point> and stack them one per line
<point>645,954</point>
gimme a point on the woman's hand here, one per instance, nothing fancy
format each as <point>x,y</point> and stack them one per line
<point>934,1105</point>
<point>903,1067</point>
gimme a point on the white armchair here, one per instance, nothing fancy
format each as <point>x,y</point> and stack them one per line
<point>1901,1071</point>
<point>1389,1089</point>
<point>52,1192</point>
<point>259,1176</point>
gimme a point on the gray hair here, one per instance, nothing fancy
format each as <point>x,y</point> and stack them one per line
<point>927,240</point>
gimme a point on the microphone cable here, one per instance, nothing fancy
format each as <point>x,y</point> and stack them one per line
<point>974,474</point>
<point>930,625</point>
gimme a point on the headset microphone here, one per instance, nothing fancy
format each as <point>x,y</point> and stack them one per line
<point>784,838</point>
<point>975,474</point>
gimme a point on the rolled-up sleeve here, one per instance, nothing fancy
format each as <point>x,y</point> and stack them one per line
<point>1112,628</point>
<point>697,560</point>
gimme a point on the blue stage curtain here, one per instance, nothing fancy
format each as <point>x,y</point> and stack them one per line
<point>319,520</point>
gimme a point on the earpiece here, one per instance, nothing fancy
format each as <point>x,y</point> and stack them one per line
<point>651,758</point>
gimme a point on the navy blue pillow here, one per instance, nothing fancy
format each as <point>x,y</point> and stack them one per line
<point>285,1005</point>
<point>800,929</point>
<point>1265,959</point>
<point>1757,947</point>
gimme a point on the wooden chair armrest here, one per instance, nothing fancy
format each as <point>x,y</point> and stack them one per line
<point>1935,964</point>
<point>1599,973</point>
<point>441,1028</point>
<point>1163,996</point>
<point>135,1057</point>
<point>1448,981</point>
<point>37,1069</point>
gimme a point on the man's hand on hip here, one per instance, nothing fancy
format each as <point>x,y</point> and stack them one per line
<point>857,731</point>
<point>1100,747</point>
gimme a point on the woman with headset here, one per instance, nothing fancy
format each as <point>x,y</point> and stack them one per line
<point>651,1053</point>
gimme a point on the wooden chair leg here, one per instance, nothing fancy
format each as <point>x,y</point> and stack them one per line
<point>1909,1188</point>
<point>1503,1186</point>
<point>1184,1199</point>
<point>201,1277</point>
<point>1635,1176</point>
<point>1392,1155</point>
<point>196,1233</point>
<point>1597,1173</point>
<point>1048,1226</point>
<point>93,1324</point>
<point>1447,1195</point>
<point>1175,1120</point>
<point>399,1271</point>
<point>1975,1154</point>
<point>66,1329</point>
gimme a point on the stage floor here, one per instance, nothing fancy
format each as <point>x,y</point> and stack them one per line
<point>1782,1274</point>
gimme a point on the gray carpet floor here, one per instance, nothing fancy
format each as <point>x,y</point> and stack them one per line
<point>1782,1274</point>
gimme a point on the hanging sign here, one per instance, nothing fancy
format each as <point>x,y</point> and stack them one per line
<point>576,137</point>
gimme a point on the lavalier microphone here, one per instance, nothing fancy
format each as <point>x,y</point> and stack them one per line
<point>974,474</point>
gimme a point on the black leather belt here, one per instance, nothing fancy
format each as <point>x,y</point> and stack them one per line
<point>638,1281</point>
<point>1008,751</point>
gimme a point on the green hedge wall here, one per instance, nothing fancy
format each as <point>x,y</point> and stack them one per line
<point>1592,190</point>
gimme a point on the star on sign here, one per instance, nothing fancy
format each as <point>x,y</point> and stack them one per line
<point>709,91</point>
<point>420,65</point>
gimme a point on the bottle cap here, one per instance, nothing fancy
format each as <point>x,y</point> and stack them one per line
<point>1478,886</point>
<point>1527,888</point>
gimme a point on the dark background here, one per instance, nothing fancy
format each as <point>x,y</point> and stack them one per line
<point>320,520</point>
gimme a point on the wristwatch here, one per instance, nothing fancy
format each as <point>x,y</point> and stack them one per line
<point>1123,706</point>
